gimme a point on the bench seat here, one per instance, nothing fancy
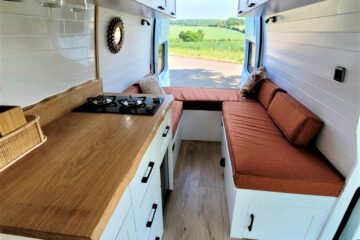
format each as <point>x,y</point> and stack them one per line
<point>203,98</point>
<point>263,159</point>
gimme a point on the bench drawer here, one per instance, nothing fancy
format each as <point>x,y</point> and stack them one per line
<point>268,221</point>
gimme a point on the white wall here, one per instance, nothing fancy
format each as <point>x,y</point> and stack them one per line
<point>302,50</point>
<point>43,51</point>
<point>121,70</point>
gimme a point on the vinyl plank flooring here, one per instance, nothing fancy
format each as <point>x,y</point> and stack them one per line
<point>197,208</point>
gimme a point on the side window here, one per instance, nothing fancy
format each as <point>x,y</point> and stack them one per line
<point>251,56</point>
<point>161,58</point>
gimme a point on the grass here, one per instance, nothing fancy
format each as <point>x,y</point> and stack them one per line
<point>218,44</point>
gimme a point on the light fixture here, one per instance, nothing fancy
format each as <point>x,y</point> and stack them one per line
<point>77,5</point>
<point>51,3</point>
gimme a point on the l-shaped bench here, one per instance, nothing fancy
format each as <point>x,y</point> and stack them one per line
<point>278,185</point>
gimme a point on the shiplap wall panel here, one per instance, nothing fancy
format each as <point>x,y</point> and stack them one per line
<point>302,50</point>
<point>43,51</point>
<point>118,71</point>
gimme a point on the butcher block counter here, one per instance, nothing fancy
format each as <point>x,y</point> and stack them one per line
<point>69,187</point>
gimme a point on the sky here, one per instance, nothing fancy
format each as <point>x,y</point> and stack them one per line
<point>210,9</point>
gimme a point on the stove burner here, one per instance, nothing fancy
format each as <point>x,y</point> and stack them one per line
<point>103,100</point>
<point>132,103</point>
<point>141,105</point>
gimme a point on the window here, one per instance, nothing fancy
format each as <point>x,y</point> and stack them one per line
<point>161,58</point>
<point>251,57</point>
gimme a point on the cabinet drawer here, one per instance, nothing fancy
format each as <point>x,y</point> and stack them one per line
<point>113,227</point>
<point>157,229</point>
<point>150,208</point>
<point>162,138</point>
<point>267,221</point>
<point>144,174</point>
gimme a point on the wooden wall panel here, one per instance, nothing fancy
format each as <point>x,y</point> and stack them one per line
<point>302,50</point>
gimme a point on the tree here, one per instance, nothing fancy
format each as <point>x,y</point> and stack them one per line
<point>191,36</point>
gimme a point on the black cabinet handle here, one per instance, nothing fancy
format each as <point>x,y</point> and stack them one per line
<point>173,147</point>
<point>172,13</point>
<point>161,8</point>
<point>166,131</point>
<point>240,12</point>
<point>157,238</point>
<point>251,4</point>
<point>153,212</point>
<point>251,222</point>
<point>145,178</point>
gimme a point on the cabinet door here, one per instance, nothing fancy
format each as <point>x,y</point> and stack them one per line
<point>267,221</point>
<point>159,5</point>
<point>171,7</point>
<point>127,230</point>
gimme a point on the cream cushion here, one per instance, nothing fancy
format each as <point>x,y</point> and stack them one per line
<point>150,85</point>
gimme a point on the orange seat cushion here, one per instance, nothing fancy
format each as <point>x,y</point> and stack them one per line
<point>177,109</point>
<point>203,94</point>
<point>134,89</point>
<point>267,92</point>
<point>262,158</point>
<point>299,125</point>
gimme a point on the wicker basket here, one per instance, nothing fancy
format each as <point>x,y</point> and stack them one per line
<point>21,141</point>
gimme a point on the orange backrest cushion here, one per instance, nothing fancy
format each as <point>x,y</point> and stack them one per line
<point>267,92</point>
<point>134,89</point>
<point>297,123</point>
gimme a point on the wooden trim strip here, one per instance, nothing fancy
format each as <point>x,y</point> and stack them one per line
<point>58,105</point>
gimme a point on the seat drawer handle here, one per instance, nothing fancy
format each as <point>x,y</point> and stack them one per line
<point>152,215</point>
<point>145,178</point>
<point>251,222</point>
<point>166,131</point>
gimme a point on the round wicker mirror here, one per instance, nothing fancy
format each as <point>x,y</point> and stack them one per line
<point>115,35</point>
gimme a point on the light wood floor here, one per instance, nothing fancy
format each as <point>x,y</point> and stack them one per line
<point>197,208</point>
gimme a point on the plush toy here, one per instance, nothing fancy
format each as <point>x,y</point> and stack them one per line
<point>256,76</point>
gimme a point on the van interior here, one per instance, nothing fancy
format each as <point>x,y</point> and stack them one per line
<point>95,142</point>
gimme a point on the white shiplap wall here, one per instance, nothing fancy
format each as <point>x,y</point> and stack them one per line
<point>43,51</point>
<point>302,50</point>
<point>121,70</point>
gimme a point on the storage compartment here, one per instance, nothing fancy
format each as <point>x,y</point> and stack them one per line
<point>268,221</point>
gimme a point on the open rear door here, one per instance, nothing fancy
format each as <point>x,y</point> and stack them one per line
<point>253,46</point>
<point>161,51</point>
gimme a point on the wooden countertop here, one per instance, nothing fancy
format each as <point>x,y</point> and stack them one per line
<point>69,187</point>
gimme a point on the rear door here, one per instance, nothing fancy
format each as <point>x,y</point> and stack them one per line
<point>253,46</point>
<point>161,51</point>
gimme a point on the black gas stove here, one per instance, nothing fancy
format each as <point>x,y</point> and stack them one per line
<point>140,105</point>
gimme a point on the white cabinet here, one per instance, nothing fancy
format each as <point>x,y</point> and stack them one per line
<point>269,221</point>
<point>127,230</point>
<point>165,6</point>
<point>119,217</point>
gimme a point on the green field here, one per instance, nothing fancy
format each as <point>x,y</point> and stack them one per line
<point>218,44</point>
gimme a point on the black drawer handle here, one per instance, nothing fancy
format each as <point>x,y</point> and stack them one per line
<point>173,147</point>
<point>145,178</point>
<point>172,13</point>
<point>157,238</point>
<point>161,8</point>
<point>153,212</point>
<point>166,131</point>
<point>251,5</point>
<point>240,12</point>
<point>251,222</point>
